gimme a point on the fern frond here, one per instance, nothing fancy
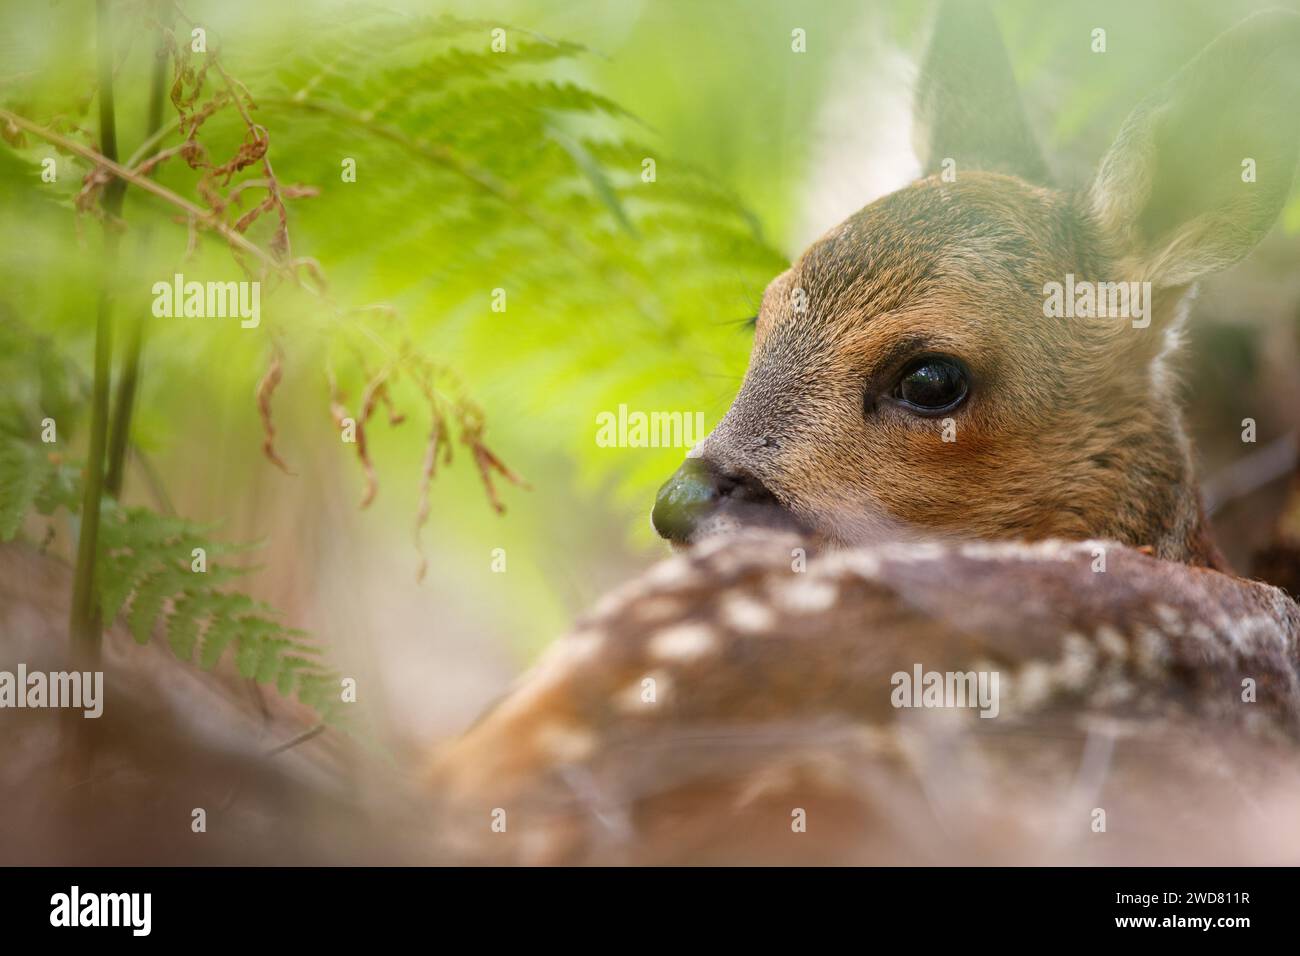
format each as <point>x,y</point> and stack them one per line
<point>147,567</point>
<point>32,478</point>
<point>147,574</point>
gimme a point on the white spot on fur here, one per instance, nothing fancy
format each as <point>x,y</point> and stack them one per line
<point>716,534</point>
<point>1171,622</point>
<point>671,573</point>
<point>1111,642</point>
<point>1255,632</point>
<point>865,564</point>
<point>743,613</point>
<point>1152,650</point>
<point>916,552</point>
<point>1201,632</point>
<point>1078,661</point>
<point>1033,684</point>
<point>685,642</point>
<point>1055,549</point>
<point>805,595</point>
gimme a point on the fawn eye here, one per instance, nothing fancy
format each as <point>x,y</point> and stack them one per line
<point>933,384</point>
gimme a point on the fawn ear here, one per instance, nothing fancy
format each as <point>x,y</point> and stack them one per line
<point>967,105</point>
<point>1201,168</point>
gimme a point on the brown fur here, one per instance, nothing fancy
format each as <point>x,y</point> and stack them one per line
<point>1067,432</point>
<point>773,692</point>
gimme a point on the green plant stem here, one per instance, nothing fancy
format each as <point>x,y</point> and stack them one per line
<point>127,383</point>
<point>84,626</point>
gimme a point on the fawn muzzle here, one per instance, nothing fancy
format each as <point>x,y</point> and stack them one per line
<point>701,498</point>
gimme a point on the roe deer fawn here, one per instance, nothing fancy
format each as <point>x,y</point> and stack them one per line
<point>735,703</point>
<point>905,377</point>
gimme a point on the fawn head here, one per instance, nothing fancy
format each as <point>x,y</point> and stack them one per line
<point>981,354</point>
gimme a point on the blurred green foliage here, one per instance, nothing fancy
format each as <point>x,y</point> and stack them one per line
<point>478,171</point>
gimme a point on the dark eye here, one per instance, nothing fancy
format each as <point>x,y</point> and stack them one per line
<point>933,384</point>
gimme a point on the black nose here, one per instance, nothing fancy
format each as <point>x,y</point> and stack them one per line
<point>695,491</point>
<point>686,497</point>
